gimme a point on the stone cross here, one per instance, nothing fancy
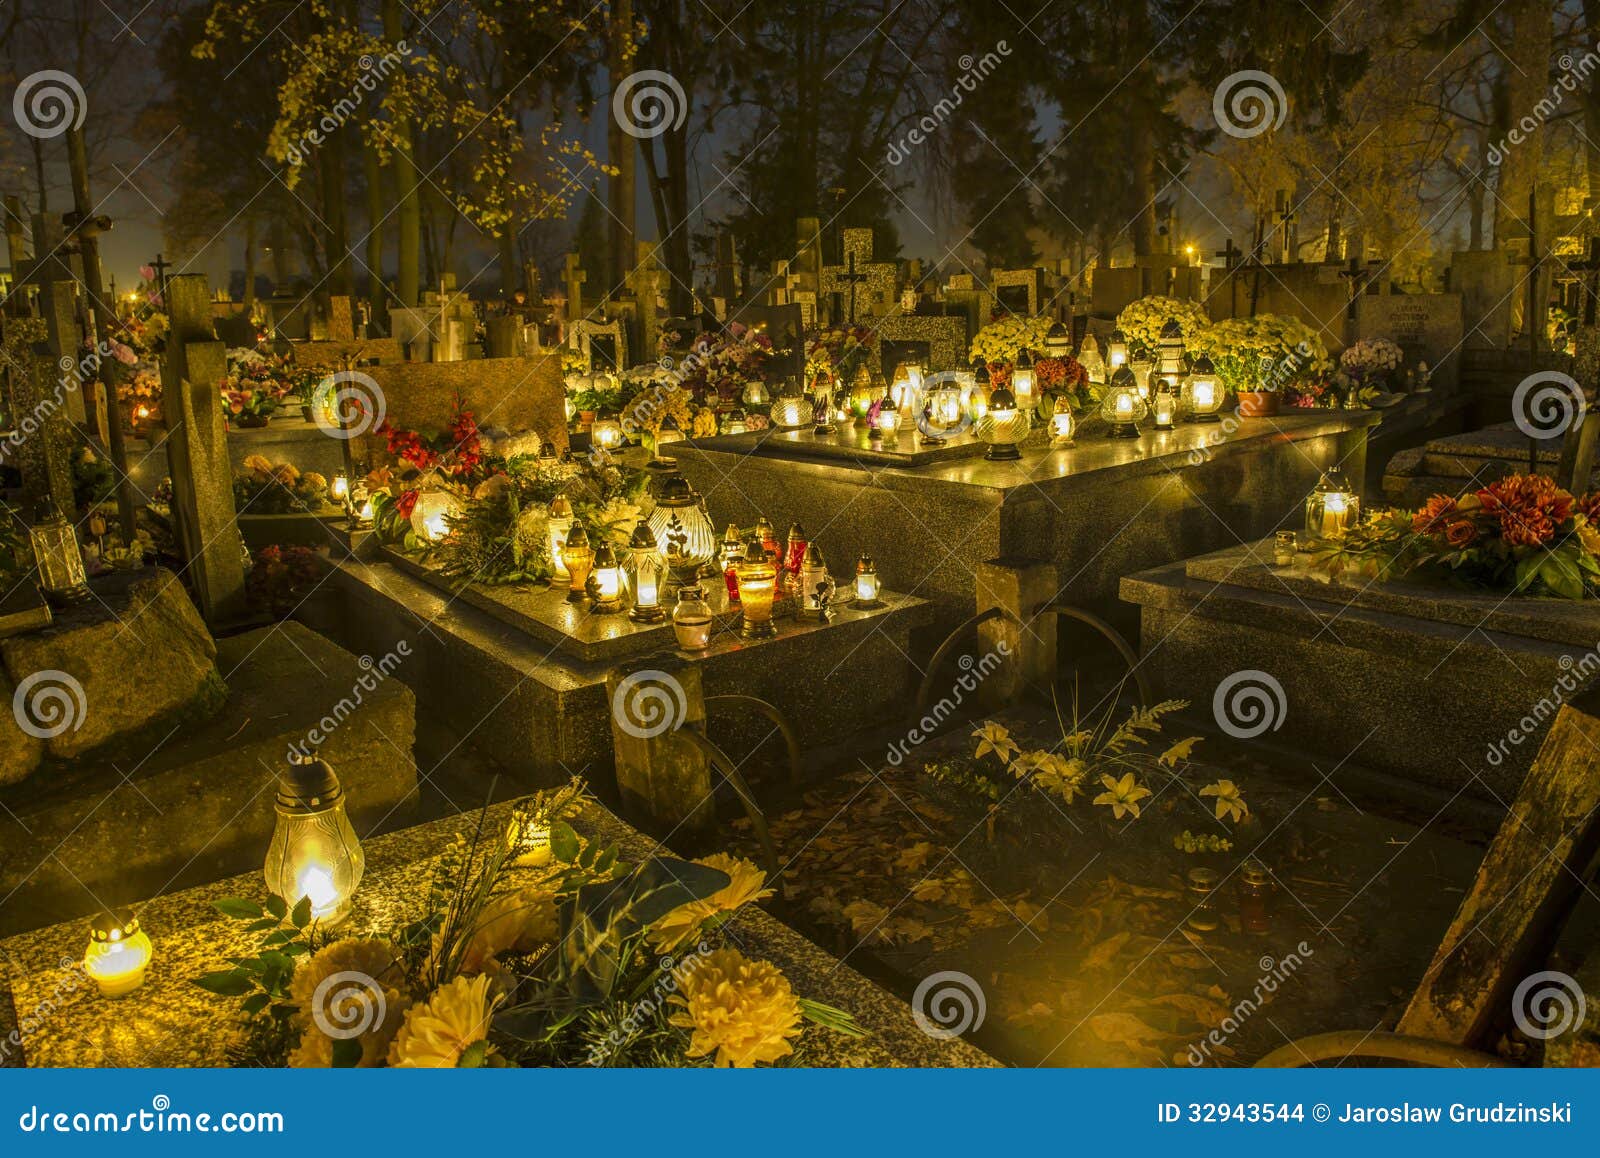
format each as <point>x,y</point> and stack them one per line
<point>197,452</point>
<point>161,265</point>
<point>808,255</point>
<point>644,280</point>
<point>851,279</point>
<point>575,278</point>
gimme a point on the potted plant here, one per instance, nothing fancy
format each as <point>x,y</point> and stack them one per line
<point>1259,358</point>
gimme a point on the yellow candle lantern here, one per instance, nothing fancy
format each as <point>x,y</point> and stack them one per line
<point>1202,392</point>
<point>1063,424</point>
<point>867,586</point>
<point>119,953</point>
<point>1023,388</point>
<point>579,557</point>
<point>559,524</point>
<point>606,433</point>
<point>757,573</point>
<point>646,569</point>
<point>431,514</point>
<point>1116,351</point>
<point>1004,426</point>
<point>1123,407</point>
<point>606,580</point>
<point>339,489</point>
<point>314,853</point>
<point>1333,508</point>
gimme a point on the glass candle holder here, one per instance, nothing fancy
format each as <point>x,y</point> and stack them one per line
<point>867,586</point>
<point>682,529</point>
<point>1164,408</point>
<point>339,490</point>
<point>791,412</point>
<point>1023,387</point>
<point>1063,425</point>
<point>606,579</point>
<point>645,571</point>
<point>813,584</point>
<point>1003,426</point>
<point>314,852</point>
<point>691,619</point>
<point>119,953</point>
<point>1122,407</point>
<point>794,551</point>
<point>942,413</point>
<point>607,432</point>
<point>1284,547</point>
<point>579,557</point>
<point>559,525</point>
<point>57,558</point>
<point>758,588</point>
<point>732,552</point>
<point>1332,508</point>
<point>1202,392</point>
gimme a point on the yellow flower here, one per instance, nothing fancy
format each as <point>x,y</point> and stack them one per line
<point>1590,538</point>
<point>522,919</point>
<point>1122,795</point>
<point>743,1011</point>
<point>744,886</point>
<point>258,465</point>
<point>344,987</point>
<point>1230,802</point>
<point>993,737</point>
<point>313,481</point>
<point>1060,775</point>
<point>437,1032</point>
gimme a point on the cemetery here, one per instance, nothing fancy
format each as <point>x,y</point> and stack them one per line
<point>489,580</point>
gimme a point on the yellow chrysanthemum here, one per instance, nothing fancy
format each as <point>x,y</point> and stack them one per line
<point>742,1011</point>
<point>682,924</point>
<point>353,989</point>
<point>522,920</point>
<point>439,1030</point>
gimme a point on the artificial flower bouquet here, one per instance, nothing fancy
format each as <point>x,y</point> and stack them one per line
<point>264,487</point>
<point>533,947</point>
<point>1522,535</point>
<point>999,342</point>
<point>1371,359</point>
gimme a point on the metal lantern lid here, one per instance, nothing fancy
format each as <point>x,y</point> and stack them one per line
<point>1123,379</point>
<point>1203,365</point>
<point>1002,399</point>
<point>560,507</point>
<point>1024,359</point>
<point>673,490</point>
<point>308,785</point>
<point>814,556</point>
<point>1334,482</point>
<point>604,556</point>
<point>796,531</point>
<point>577,539</point>
<point>641,539</point>
<point>1171,329</point>
<point>755,551</point>
<point>112,925</point>
<point>865,566</point>
<point>980,373</point>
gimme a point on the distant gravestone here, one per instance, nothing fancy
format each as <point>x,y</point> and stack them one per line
<point>197,452</point>
<point>939,342</point>
<point>1111,289</point>
<point>1485,280</point>
<point>1427,327</point>
<point>412,328</point>
<point>341,319</point>
<point>506,336</point>
<point>41,446</point>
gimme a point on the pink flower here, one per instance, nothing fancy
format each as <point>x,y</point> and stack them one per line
<point>147,272</point>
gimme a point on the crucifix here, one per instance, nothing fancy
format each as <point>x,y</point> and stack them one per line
<point>1588,271</point>
<point>1286,225</point>
<point>1357,277</point>
<point>161,265</point>
<point>851,278</point>
<point>575,278</point>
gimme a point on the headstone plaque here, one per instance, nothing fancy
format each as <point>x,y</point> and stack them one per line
<point>1427,327</point>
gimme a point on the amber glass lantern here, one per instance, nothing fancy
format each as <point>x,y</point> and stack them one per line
<point>885,427</point>
<point>1202,392</point>
<point>57,559</point>
<point>606,580</point>
<point>579,558</point>
<point>734,422</point>
<point>559,524</point>
<point>645,571</point>
<point>119,953</point>
<point>431,514</point>
<point>758,588</point>
<point>607,432</point>
<point>666,434</point>
<point>682,529</point>
<point>861,392</point>
<point>977,397</point>
<point>1333,508</point>
<point>339,489</point>
<point>314,852</point>
<point>360,507</point>
<point>1122,407</point>
<point>1004,426</point>
<point>1063,424</point>
<point>791,411</point>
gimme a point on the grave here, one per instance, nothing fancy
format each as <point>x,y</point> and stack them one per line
<point>931,516</point>
<point>155,1025</point>
<point>1370,675</point>
<point>1461,462</point>
<point>1427,327</point>
<point>159,774</point>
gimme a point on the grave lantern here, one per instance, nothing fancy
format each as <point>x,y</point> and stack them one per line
<point>314,852</point>
<point>942,414</point>
<point>57,559</point>
<point>732,552</point>
<point>1022,384</point>
<point>559,523</point>
<point>360,507</point>
<point>755,394</point>
<point>571,408</point>
<point>119,953</point>
<point>758,587</point>
<point>1333,508</point>
<point>339,489</point>
<point>667,433</point>
<point>691,619</point>
<point>867,586</point>
<point>794,551</point>
<point>1089,358</point>
<point>1004,426</point>
<point>430,516</point>
<point>646,569</point>
<point>1063,424</point>
<point>885,424</point>
<point>1164,405</point>
<point>1169,352</point>
<point>814,583</point>
<point>902,391</point>
<point>734,422</point>
<point>1122,406</point>
<point>606,579</point>
<point>825,412</point>
<point>579,558</point>
<point>861,392</point>
<point>791,411</point>
<point>682,529</point>
<point>1116,351</point>
<point>1202,392</point>
<point>607,431</point>
<point>977,396</point>
<point>1058,342</point>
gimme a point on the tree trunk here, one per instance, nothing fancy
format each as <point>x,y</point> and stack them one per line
<point>330,172</point>
<point>1528,66</point>
<point>408,198</point>
<point>377,295</point>
<point>623,149</point>
<point>249,266</point>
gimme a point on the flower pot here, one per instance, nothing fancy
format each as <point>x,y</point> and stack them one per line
<point>252,421</point>
<point>1258,403</point>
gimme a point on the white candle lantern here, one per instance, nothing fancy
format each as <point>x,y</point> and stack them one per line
<point>314,852</point>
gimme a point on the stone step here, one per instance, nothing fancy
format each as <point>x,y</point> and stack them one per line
<point>199,806</point>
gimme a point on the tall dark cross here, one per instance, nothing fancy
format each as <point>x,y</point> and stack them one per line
<point>161,265</point>
<point>1286,224</point>
<point>1357,277</point>
<point>1588,279</point>
<point>851,278</point>
<point>1230,255</point>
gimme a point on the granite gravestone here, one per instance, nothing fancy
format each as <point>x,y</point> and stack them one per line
<point>1428,327</point>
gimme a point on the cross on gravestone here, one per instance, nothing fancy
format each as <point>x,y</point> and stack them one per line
<point>78,370</point>
<point>1230,255</point>
<point>161,265</point>
<point>644,281</point>
<point>1358,282</point>
<point>574,278</point>
<point>1588,272</point>
<point>851,279</point>
<point>197,452</point>
<point>1283,205</point>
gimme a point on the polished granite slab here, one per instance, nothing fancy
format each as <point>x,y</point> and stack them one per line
<point>63,1021</point>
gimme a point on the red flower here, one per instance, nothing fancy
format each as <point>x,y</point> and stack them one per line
<point>1530,507</point>
<point>1589,505</point>
<point>406,503</point>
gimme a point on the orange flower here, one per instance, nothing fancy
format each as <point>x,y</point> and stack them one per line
<point>1461,533</point>
<point>1530,508</point>
<point>1589,505</point>
<point>1433,515</point>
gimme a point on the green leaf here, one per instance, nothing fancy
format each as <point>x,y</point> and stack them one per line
<point>237,908</point>
<point>262,925</point>
<point>228,983</point>
<point>564,842</point>
<point>346,1053</point>
<point>301,917</point>
<point>831,1017</point>
<point>255,1003</point>
<point>473,1056</point>
<point>277,906</point>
